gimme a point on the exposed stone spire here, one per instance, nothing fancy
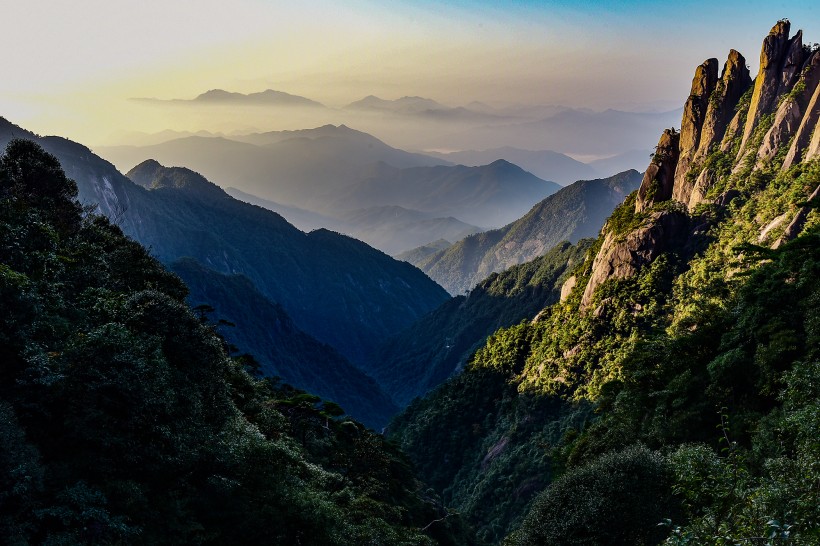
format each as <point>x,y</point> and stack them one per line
<point>776,53</point>
<point>791,113</point>
<point>694,114</point>
<point>734,81</point>
<point>659,178</point>
<point>803,136</point>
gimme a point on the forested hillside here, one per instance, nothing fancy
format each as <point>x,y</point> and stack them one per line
<point>672,397</point>
<point>123,420</point>
<point>439,344</point>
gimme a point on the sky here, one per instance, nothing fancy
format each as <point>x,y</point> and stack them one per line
<point>70,68</point>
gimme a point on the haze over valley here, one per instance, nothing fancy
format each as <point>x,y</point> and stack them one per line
<point>458,274</point>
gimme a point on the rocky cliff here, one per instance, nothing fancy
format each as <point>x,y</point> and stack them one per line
<point>732,128</point>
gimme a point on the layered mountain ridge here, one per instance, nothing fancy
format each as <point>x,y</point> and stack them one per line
<point>572,213</point>
<point>671,396</point>
<point>330,285</point>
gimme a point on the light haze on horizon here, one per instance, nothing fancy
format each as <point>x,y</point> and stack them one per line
<point>74,66</point>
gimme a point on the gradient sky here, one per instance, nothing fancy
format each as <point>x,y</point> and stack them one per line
<point>69,67</point>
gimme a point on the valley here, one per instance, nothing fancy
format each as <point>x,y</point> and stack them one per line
<point>270,312</point>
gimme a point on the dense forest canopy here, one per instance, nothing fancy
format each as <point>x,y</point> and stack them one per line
<point>123,419</point>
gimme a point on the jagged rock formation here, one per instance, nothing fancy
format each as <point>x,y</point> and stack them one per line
<point>782,111</point>
<point>733,83</point>
<point>803,140</point>
<point>622,257</point>
<point>780,60</point>
<point>658,180</point>
<point>792,111</point>
<point>694,116</point>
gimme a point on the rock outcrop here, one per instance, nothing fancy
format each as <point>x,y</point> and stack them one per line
<point>659,179</point>
<point>623,257</point>
<point>735,80</point>
<point>694,116</point>
<point>803,137</point>
<point>813,151</point>
<point>796,225</point>
<point>787,88</point>
<point>791,112</point>
<point>780,60</point>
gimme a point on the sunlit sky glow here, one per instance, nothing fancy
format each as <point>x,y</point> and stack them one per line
<point>70,67</point>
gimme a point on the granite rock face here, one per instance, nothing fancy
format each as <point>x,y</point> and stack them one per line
<point>780,59</point>
<point>623,257</point>
<point>792,112</point>
<point>803,140</point>
<point>691,126</point>
<point>735,80</point>
<point>659,179</point>
<point>786,94</point>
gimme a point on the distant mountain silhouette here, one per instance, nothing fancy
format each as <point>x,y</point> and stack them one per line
<point>633,159</point>
<point>269,97</point>
<point>544,164</point>
<point>298,168</point>
<point>568,131</point>
<point>489,195</point>
<point>391,229</point>
<point>333,170</point>
<point>423,108</point>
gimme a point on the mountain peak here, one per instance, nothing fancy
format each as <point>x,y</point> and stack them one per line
<point>268,97</point>
<point>152,175</point>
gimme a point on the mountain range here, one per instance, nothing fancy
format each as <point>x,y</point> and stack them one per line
<point>334,288</point>
<point>220,97</point>
<point>670,396</point>
<point>574,212</point>
<point>336,172</point>
<point>545,164</point>
<point>657,383</point>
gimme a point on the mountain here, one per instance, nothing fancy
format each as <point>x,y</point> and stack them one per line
<point>303,219</point>
<point>422,109</point>
<point>123,419</point>
<point>440,343</point>
<point>676,381</point>
<point>416,255</point>
<point>295,168</point>
<point>572,213</point>
<point>403,105</point>
<point>268,97</point>
<point>487,195</point>
<point>264,330</point>
<point>544,164</point>
<point>391,229</point>
<point>318,278</point>
<point>335,170</point>
<point>336,289</point>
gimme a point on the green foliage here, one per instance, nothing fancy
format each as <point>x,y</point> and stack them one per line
<point>123,419</point>
<point>624,219</point>
<point>619,499</point>
<point>440,344</point>
<point>708,353</point>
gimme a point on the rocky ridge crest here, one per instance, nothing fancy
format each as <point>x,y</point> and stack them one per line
<point>728,121</point>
